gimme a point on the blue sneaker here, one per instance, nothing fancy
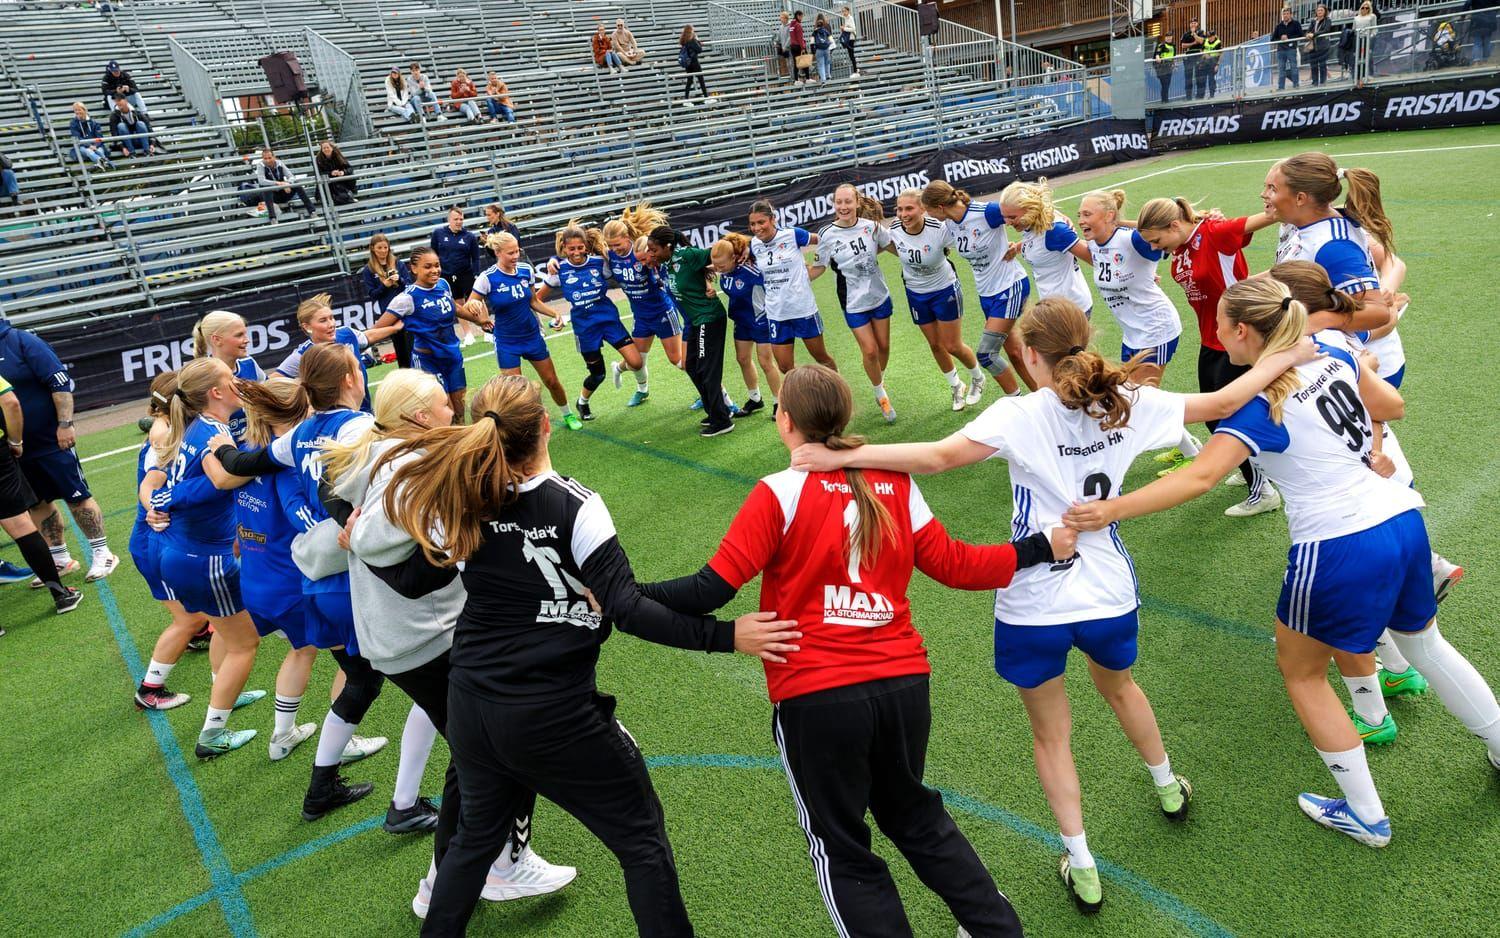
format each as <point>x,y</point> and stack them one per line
<point>11,573</point>
<point>1336,813</point>
<point>638,398</point>
<point>697,404</point>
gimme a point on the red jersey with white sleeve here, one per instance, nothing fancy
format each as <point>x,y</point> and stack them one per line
<point>800,530</point>
<point>1210,261</point>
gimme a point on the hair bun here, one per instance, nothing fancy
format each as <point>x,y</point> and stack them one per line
<point>1076,350</point>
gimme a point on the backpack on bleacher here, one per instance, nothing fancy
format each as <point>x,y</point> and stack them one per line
<point>683,58</point>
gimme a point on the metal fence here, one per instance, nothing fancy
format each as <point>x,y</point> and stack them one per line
<point>338,80</point>
<point>197,83</point>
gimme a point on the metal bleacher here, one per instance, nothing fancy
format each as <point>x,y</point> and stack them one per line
<point>170,228</point>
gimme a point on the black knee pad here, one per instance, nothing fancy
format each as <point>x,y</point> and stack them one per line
<point>595,363</point>
<point>362,685</point>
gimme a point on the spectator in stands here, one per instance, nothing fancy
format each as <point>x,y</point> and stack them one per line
<point>822,42</point>
<point>1190,44</point>
<point>117,83</point>
<point>279,182</point>
<point>784,45</point>
<point>497,99</point>
<point>458,253</point>
<point>463,93</point>
<point>422,93</point>
<point>605,55</point>
<point>625,45</point>
<point>383,277</point>
<point>1285,37</point>
<point>88,137</point>
<point>1482,24</point>
<point>1165,54</point>
<point>798,46</point>
<point>1319,45</point>
<point>688,51</point>
<point>849,38</point>
<point>10,187</point>
<point>333,167</point>
<point>398,96</point>
<point>131,129</point>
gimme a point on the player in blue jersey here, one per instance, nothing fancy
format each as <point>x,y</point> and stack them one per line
<point>507,305</point>
<point>1360,560</point>
<point>653,313</point>
<point>583,278</point>
<point>428,309</point>
<point>740,281</point>
<point>316,317</point>
<point>224,336</point>
<point>197,560</point>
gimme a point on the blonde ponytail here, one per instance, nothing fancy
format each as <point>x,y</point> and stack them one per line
<point>215,323</point>
<point>405,393</point>
<point>1267,306</point>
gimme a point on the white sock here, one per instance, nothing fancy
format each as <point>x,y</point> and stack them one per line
<point>952,378</point>
<point>640,377</point>
<point>1015,393</point>
<point>1462,691</point>
<point>880,394</point>
<point>564,410</point>
<point>216,719</point>
<point>416,743</point>
<point>335,736</point>
<point>1188,445</point>
<point>1078,851</point>
<point>60,556</point>
<point>754,394</point>
<point>99,547</point>
<point>1389,655</point>
<point>1352,773</point>
<point>156,673</point>
<point>977,374</point>
<point>286,713</point>
<point>1162,774</point>
<point>1369,702</point>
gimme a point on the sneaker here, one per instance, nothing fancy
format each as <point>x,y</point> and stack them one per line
<point>1083,884</point>
<point>960,397</point>
<point>282,744</point>
<point>1408,683</point>
<point>976,391</point>
<point>327,795</point>
<point>637,398</point>
<point>1444,576</point>
<point>466,341</point>
<point>248,697</point>
<point>584,411</point>
<point>887,409</point>
<point>1173,455</point>
<point>529,875</point>
<point>1174,797</point>
<point>421,816</point>
<point>1172,464</point>
<point>696,405</point>
<point>614,371</point>
<point>571,421</point>
<point>214,743</point>
<point>158,698</point>
<point>72,567</point>
<point>1235,480</point>
<point>68,601</point>
<point>11,573</point>
<point>361,747</point>
<point>201,641</point>
<point>102,567</point>
<point>751,406</point>
<point>1381,734</point>
<point>1269,500</point>
<point>711,430</point>
<point>1336,813</point>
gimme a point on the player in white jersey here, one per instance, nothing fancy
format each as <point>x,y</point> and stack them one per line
<point>1073,440</point>
<point>851,245</point>
<point>791,309</point>
<point>1052,248</point>
<point>920,243</point>
<point>978,230</point>
<point>1359,558</point>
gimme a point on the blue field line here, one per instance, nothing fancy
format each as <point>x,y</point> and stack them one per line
<point>205,835</point>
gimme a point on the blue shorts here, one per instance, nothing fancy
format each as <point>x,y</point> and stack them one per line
<point>751,330</point>
<point>1394,380</point>
<point>1031,655</point>
<point>1159,355</point>
<point>663,325</point>
<point>946,305</point>
<point>787,331</point>
<point>55,475</point>
<point>1008,303</point>
<point>145,551</point>
<point>330,620</point>
<point>883,311</point>
<point>509,352</point>
<point>594,336</point>
<point>280,612</point>
<point>444,362</point>
<point>1346,590</point>
<point>204,583</point>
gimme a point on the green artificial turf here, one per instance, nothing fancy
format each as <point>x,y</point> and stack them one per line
<point>97,840</point>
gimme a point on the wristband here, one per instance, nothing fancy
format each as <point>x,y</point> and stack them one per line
<point>1032,550</point>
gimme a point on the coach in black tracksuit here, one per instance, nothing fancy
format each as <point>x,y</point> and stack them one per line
<point>458,251</point>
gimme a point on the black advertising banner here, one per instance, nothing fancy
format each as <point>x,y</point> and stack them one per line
<point>1406,106</point>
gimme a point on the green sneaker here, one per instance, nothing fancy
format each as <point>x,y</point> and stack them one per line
<point>1402,683</point>
<point>1083,884</point>
<point>571,421</point>
<point>1173,455</point>
<point>1382,734</point>
<point>1175,464</point>
<point>638,398</point>
<point>1174,797</point>
<point>214,743</point>
<point>246,698</point>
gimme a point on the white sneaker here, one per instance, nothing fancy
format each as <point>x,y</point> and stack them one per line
<point>615,373</point>
<point>976,391</point>
<point>282,744</point>
<point>72,567</point>
<point>530,875</point>
<point>422,899</point>
<point>1235,480</point>
<point>1270,500</point>
<point>467,340</point>
<point>1445,573</point>
<point>102,567</point>
<point>362,747</point>
<point>960,396</point>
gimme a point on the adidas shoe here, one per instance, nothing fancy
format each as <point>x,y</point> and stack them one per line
<point>1380,734</point>
<point>1083,885</point>
<point>248,697</point>
<point>1336,813</point>
<point>529,875</point>
<point>73,566</point>
<point>102,567</point>
<point>1408,683</point>
<point>421,816</point>
<point>214,743</point>
<point>158,698</point>
<point>282,744</point>
<point>68,601</point>
<point>361,747</point>
<point>1174,797</point>
<point>1270,500</point>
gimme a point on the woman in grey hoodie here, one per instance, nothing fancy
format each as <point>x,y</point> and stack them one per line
<point>405,610</point>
